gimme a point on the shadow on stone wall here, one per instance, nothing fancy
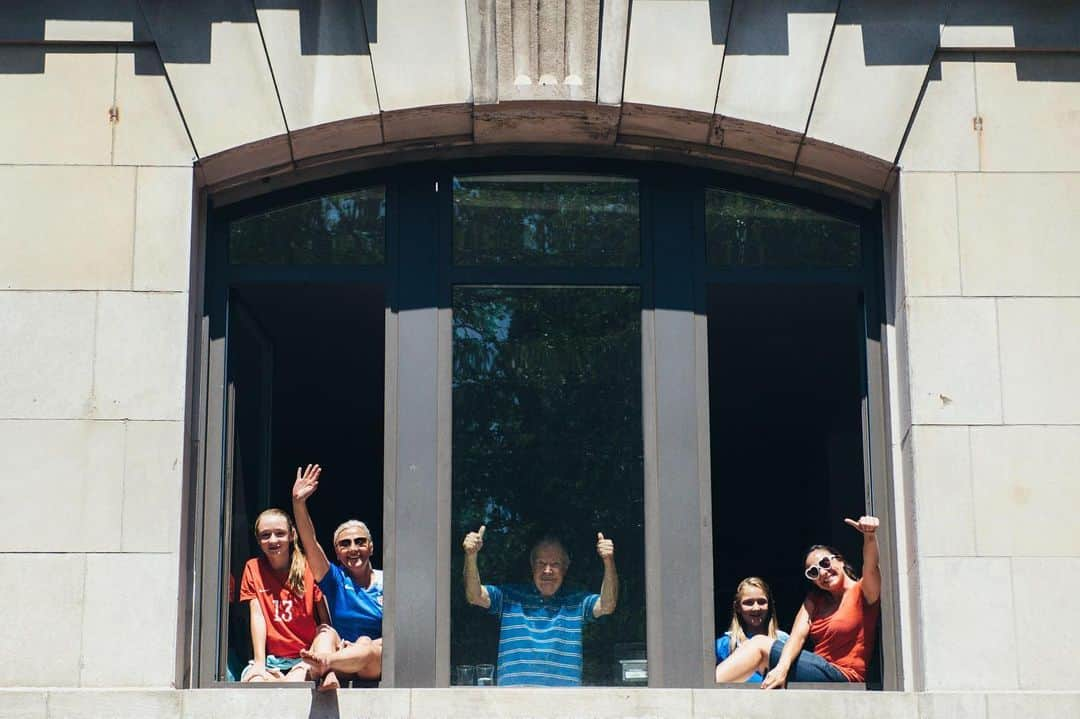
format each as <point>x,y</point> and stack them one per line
<point>905,33</point>
<point>179,29</point>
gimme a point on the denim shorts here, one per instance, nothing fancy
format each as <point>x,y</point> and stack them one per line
<point>807,667</point>
<point>279,664</point>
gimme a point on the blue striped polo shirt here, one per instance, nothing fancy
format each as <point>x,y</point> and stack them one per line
<point>540,639</point>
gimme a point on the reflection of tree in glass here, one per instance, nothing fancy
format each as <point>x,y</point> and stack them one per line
<point>347,228</point>
<point>547,438</point>
<point>747,231</point>
<point>546,222</point>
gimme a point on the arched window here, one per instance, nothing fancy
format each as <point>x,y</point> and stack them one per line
<point>544,348</point>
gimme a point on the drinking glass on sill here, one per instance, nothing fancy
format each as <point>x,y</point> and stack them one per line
<point>485,675</point>
<point>464,675</point>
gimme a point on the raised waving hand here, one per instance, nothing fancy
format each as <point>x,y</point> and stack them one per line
<point>307,481</point>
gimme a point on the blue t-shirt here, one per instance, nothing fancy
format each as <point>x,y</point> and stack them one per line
<point>540,638</point>
<point>354,611</point>
<point>723,651</point>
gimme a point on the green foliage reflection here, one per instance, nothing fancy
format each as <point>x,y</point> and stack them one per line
<point>747,231</point>
<point>546,221</point>
<point>343,229</point>
<point>547,438</point>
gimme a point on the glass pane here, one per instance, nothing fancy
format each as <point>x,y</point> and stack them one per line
<point>546,221</point>
<point>344,229</point>
<point>747,231</point>
<point>547,441</point>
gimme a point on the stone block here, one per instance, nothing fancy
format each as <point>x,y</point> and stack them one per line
<point>66,227</point>
<point>1030,105</point>
<point>674,53</point>
<point>1049,705</point>
<point>163,233</point>
<point>952,706</point>
<point>873,73</point>
<point>931,246</point>
<point>23,704</point>
<point>150,130</point>
<point>60,116</point>
<point>270,701</point>
<point>153,459</point>
<point>1046,590</point>
<point>803,703</point>
<point>967,636</point>
<point>45,605</point>
<point>1019,233</point>
<point>140,355</point>
<point>228,98</point>
<point>1012,23</point>
<point>944,506</point>
<point>47,341</point>
<point>114,703</point>
<point>129,621</point>
<point>70,469</point>
<point>330,80</point>
<point>1026,493</point>
<point>943,136</point>
<point>420,53</point>
<point>595,702</point>
<point>769,46</point>
<point>1040,360</point>
<point>61,30</point>
<point>954,376</point>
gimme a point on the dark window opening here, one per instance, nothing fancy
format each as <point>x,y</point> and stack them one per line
<point>785,394</point>
<point>305,385</point>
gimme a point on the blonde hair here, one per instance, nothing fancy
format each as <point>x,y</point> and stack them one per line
<point>738,634</point>
<point>297,563</point>
<point>351,524</point>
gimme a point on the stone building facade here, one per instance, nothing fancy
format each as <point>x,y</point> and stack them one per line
<point>126,123</point>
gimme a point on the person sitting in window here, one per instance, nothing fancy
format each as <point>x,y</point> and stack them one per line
<point>353,588</point>
<point>284,603</point>
<point>752,614</point>
<point>540,633</point>
<point>839,614</point>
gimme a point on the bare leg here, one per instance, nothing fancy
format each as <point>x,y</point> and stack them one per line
<point>326,643</point>
<point>362,658</point>
<point>299,673</point>
<point>751,655</point>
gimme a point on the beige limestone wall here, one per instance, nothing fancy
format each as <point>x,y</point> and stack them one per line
<point>985,351</point>
<point>96,230</point>
<point>989,312</point>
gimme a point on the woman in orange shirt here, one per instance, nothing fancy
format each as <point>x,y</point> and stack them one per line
<point>839,614</point>
<point>286,605</point>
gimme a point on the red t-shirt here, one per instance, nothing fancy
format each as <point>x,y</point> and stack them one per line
<point>845,638</point>
<point>290,620</point>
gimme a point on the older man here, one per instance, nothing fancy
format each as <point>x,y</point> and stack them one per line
<point>540,634</point>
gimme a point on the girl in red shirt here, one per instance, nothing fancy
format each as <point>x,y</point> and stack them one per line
<point>839,614</point>
<point>286,605</point>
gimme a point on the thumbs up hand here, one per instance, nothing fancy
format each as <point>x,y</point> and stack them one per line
<point>604,547</point>
<point>866,524</point>
<point>474,541</point>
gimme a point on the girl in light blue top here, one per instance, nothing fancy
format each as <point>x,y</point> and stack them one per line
<point>752,613</point>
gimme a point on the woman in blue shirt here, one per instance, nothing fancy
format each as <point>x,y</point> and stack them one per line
<point>353,589</point>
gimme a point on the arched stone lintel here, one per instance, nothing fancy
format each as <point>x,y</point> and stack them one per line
<point>632,131</point>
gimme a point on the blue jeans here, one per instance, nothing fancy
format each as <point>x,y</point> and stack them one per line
<point>807,667</point>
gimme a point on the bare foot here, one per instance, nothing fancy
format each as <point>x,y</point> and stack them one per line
<point>318,662</point>
<point>329,682</point>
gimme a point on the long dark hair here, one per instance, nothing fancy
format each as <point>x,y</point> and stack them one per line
<point>831,550</point>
